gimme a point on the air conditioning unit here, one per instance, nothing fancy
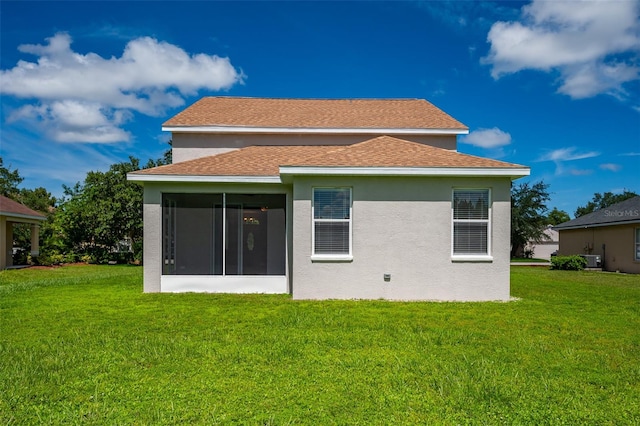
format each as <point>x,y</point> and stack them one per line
<point>593,260</point>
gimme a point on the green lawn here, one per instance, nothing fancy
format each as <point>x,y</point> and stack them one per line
<point>83,344</point>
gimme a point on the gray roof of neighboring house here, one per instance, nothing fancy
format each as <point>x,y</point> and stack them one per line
<point>621,213</point>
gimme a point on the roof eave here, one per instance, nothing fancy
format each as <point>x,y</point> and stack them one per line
<point>133,177</point>
<point>285,171</point>
<point>315,130</point>
<point>23,216</point>
<point>512,172</point>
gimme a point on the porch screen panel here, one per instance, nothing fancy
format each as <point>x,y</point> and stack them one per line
<point>255,232</point>
<point>191,226</point>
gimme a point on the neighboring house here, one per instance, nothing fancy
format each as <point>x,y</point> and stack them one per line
<point>612,232</point>
<point>13,212</point>
<point>326,199</point>
<point>546,246</point>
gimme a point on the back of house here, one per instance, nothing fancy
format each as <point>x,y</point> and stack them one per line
<point>326,199</point>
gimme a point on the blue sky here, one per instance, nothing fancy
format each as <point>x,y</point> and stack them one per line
<point>552,85</point>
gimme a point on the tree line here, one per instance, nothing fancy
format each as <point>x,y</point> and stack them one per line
<point>96,221</point>
<point>100,219</point>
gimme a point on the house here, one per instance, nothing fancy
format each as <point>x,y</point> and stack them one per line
<point>613,233</point>
<point>547,245</point>
<point>12,212</point>
<point>326,199</point>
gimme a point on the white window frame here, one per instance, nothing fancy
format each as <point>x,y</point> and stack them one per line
<point>636,255</point>
<point>328,257</point>
<point>471,257</point>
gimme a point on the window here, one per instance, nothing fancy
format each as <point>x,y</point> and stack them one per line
<point>637,244</point>
<point>471,223</point>
<point>332,222</point>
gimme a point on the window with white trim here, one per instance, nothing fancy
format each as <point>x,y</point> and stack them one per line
<point>471,222</point>
<point>637,257</point>
<point>331,221</point>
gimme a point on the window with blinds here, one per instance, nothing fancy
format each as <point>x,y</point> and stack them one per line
<point>471,222</point>
<point>331,221</point>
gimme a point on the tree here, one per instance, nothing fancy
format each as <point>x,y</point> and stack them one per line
<point>556,217</point>
<point>38,199</point>
<point>9,181</point>
<point>105,210</point>
<point>600,201</point>
<point>528,220</point>
<point>167,158</point>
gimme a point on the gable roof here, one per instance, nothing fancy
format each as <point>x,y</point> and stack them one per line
<point>624,212</point>
<point>9,207</point>
<point>318,114</point>
<point>384,155</point>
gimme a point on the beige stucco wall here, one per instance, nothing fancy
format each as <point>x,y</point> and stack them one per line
<point>402,226</point>
<point>619,240</point>
<point>152,216</point>
<point>187,146</point>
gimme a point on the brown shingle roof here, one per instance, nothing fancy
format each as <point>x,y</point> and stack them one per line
<point>315,113</point>
<point>383,151</point>
<point>249,161</point>
<point>387,151</point>
<point>10,207</point>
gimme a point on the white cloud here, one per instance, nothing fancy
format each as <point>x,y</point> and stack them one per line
<point>76,121</point>
<point>487,138</point>
<point>567,154</point>
<point>611,167</point>
<point>580,172</point>
<point>86,98</point>
<point>586,41</point>
<point>631,154</point>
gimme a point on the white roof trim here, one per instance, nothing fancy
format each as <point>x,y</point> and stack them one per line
<point>203,178</point>
<point>312,130</point>
<point>405,171</point>
<point>338,171</point>
<point>23,216</point>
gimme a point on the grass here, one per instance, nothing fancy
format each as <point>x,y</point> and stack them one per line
<point>83,344</point>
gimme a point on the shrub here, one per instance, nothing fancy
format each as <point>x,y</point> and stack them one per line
<point>21,257</point>
<point>568,263</point>
<point>50,258</point>
<point>71,257</point>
